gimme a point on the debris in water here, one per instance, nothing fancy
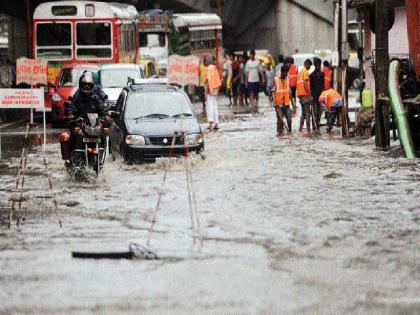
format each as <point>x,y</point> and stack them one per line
<point>135,251</point>
<point>333,175</point>
<point>72,203</point>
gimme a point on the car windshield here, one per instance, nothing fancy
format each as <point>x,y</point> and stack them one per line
<point>152,39</point>
<point>110,78</point>
<point>157,105</point>
<point>70,77</point>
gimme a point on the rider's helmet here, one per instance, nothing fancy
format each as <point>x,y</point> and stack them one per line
<point>87,83</point>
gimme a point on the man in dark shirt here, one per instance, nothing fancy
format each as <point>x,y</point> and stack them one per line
<point>317,86</point>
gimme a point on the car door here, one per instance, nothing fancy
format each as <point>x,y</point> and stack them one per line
<point>118,129</point>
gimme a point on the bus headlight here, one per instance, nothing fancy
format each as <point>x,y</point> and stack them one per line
<point>135,139</point>
<point>195,138</point>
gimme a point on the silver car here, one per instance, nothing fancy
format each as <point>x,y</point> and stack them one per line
<point>113,77</point>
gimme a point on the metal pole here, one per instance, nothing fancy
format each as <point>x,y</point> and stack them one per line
<point>0,147</point>
<point>32,108</point>
<point>336,38</point>
<point>45,129</point>
<point>344,61</point>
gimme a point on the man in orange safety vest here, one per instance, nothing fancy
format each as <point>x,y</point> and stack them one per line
<point>333,102</point>
<point>304,94</point>
<point>292,75</point>
<point>281,100</point>
<point>327,75</point>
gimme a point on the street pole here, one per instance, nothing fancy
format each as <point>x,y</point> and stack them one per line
<point>336,39</point>
<point>382,130</point>
<point>360,53</point>
<point>344,62</point>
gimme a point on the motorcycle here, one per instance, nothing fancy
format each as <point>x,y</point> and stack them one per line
<point>91,141</point>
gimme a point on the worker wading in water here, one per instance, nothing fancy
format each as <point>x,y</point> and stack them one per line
<point>281,100</point>
<point>292,75</point>
<point>304,95</point>
<point>333,102</point>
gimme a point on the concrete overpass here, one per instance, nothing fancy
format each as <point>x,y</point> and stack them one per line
<point>282,26</point>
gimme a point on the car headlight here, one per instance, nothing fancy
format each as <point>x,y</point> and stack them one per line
<point>195,138</point>
<point>56,97</point>
<point>134,139</point>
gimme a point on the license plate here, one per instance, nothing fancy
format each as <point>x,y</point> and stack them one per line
<point>88,140</point>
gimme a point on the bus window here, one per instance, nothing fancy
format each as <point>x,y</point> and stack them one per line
<point>55,37</point>
<point>93,34</point>
<point>142,39</point>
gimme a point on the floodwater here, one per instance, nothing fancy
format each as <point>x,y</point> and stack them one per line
<point>290,226</point>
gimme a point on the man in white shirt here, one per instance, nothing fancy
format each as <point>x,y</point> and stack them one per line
<point>254,75</point>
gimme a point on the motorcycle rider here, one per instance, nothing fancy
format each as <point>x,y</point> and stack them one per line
<point>88,99</point>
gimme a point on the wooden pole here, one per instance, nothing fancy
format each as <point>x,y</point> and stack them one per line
<point>382,137</point>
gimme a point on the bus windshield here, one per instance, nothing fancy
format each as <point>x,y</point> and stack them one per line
<point>93,40</point>
<point>157,39</point>
<point>53,40</point>
<point>53,34</point>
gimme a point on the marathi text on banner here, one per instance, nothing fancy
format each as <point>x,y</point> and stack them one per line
<point>22,98</point>
<point>184,70</point>
<point>31,71</point>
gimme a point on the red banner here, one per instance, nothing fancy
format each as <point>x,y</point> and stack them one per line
<point>184,70</point>
<point>31,71</point>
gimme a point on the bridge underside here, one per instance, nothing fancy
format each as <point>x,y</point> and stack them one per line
<point>247,23</point>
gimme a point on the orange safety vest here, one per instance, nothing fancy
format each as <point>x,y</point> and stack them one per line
<point>328,78</point>
<point>282,92</point>
<point>213,78</point>
<point>301,91</point>
<point>329,97</point>
<point>293,73</point>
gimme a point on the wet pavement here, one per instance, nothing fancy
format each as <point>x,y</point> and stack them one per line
<point>288,226</point>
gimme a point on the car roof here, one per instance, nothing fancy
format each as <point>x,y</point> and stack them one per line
<point>80,65</point>
<point>119,66</point>
<point>153,87</point>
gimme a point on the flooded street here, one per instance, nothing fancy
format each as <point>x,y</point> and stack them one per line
<point>289,226</point>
